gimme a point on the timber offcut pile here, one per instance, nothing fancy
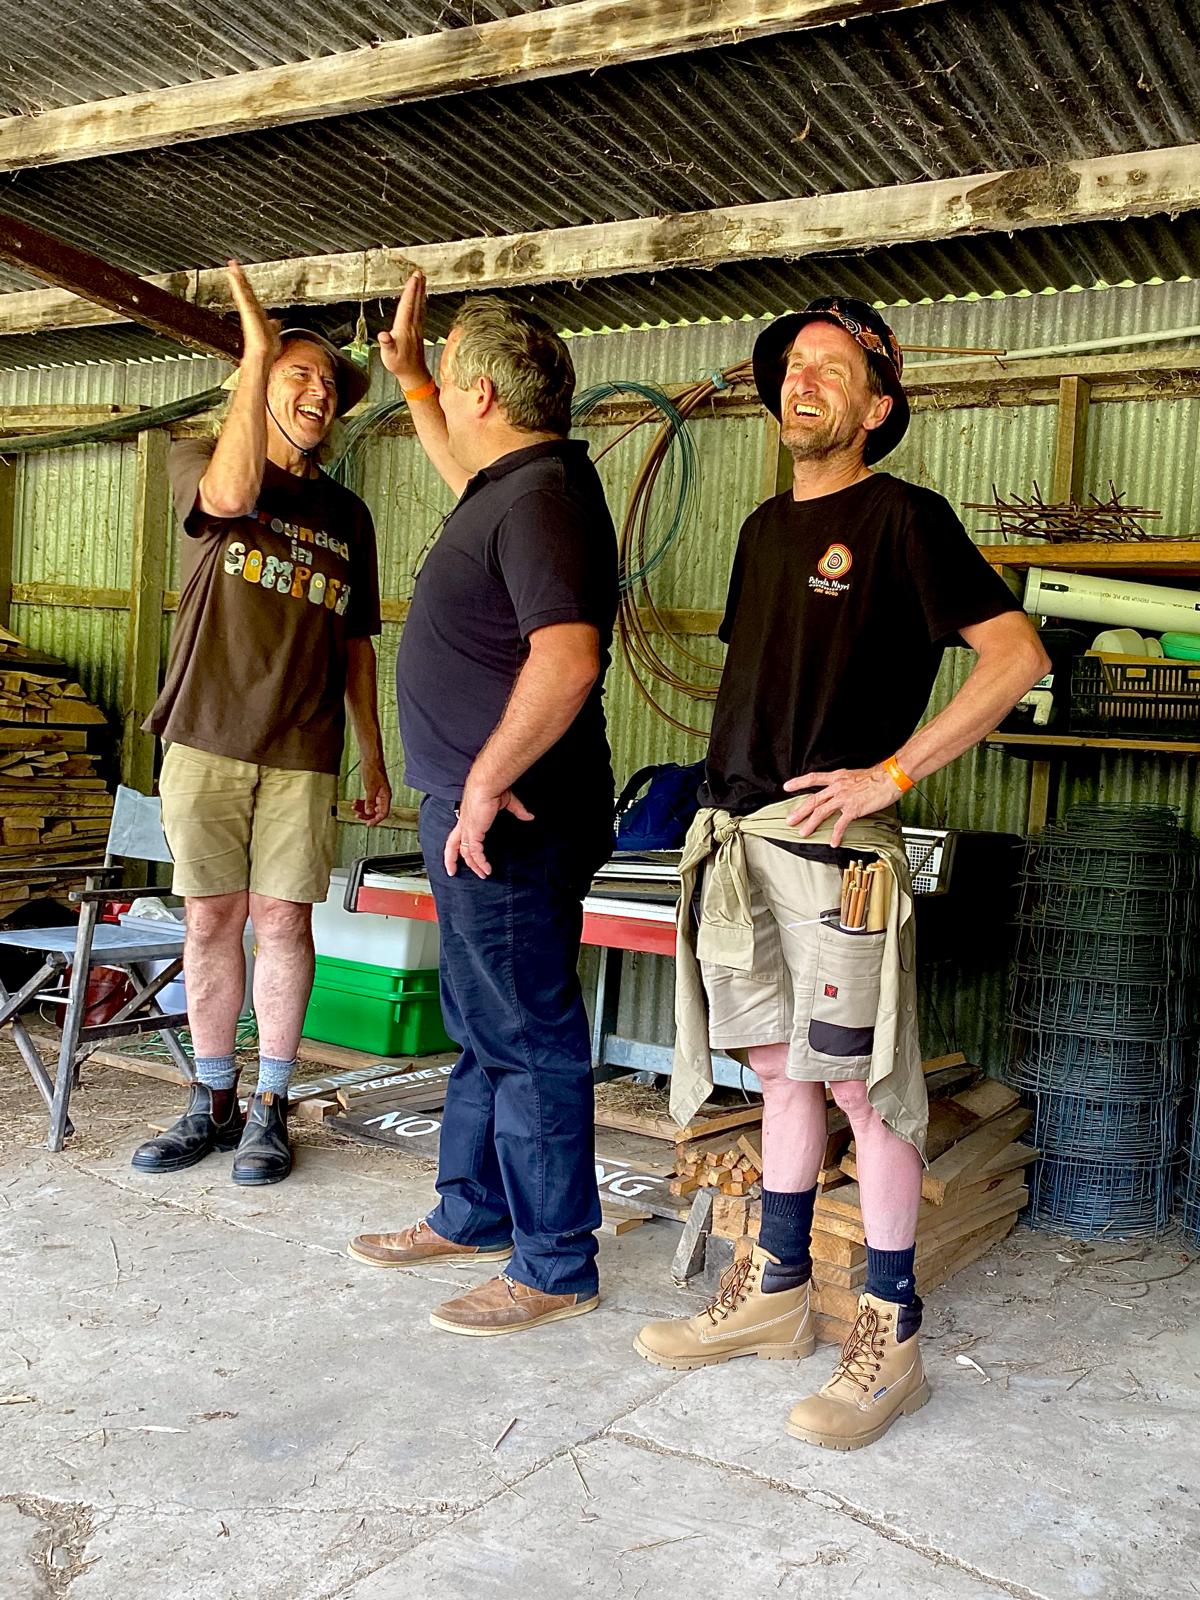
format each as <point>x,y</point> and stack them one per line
<point>971,1194</point>
<point>54,808</point>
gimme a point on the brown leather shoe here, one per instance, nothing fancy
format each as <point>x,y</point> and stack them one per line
<point>502,1305</point>
<point>411,1247</point>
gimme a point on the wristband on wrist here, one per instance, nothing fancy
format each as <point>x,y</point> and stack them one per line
<point>426,391</point>
<point>897,774</point>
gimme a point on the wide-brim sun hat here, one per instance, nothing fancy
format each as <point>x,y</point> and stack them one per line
<point>352,382</point>
<point>868,330</point>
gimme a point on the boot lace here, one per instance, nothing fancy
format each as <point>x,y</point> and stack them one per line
<point>730,1290</point>
<point>862,1353</point>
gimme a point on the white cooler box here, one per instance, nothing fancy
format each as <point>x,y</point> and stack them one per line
<point>393,942</point>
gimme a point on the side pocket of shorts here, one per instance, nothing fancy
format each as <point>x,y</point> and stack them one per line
<point>845,1006</point>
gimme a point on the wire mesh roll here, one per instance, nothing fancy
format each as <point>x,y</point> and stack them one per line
<point>1097,908</point>
<point>1102,1007</point>
<point>1114,1069</point>
<point>1135,957</point>
<point>1092,1197</point>
<point>1097,1129</point>
<point>1189,1183</point>
<point>1103,1003</point>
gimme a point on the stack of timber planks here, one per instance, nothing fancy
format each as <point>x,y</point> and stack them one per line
<point>971,1194</point>
<point>54,808</point>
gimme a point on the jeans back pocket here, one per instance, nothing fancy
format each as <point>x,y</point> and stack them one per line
<point>846,993</point>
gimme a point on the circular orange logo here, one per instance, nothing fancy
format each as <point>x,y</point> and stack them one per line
<point>836,562</point>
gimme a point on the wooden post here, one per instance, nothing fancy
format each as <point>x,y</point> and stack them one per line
<point>8,535</point>
<point>151,541</point>
<point>777,463</point>
<point>1069,446</point>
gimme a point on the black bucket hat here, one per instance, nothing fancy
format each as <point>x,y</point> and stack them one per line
<point>868,329</point>
<point>352,382</point>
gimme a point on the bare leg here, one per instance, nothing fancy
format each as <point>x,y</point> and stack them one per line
<point>889,1171</point>
<point>283,972</point>
<point>795,1126</point>
<point>214,970</point>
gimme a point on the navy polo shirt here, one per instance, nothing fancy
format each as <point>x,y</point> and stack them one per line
<point>530,543</point>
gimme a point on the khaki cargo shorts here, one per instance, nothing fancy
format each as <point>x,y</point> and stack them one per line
<point>813,987</point>
<point>232,825</point>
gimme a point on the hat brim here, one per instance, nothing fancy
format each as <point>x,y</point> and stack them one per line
<point>770,352</point>
<point>352,382</point>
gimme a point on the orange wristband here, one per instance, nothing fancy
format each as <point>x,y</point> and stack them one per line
<point>425,392</point>
<point>897,774</point>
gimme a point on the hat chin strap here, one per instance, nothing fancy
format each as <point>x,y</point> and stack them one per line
<point>308,452</point>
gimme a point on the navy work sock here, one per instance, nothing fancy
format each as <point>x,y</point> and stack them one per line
<point>786,1232</point>
<point>890,1275</point>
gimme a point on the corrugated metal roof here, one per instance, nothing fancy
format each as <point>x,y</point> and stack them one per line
<point>933,92</point>
<point>151,44</point>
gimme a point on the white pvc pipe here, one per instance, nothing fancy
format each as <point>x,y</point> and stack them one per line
<point>1079,597</point>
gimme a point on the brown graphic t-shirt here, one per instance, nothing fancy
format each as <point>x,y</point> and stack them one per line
<point>258,654</point>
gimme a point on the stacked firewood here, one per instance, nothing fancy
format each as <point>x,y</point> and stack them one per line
<point>54,807</point>
<point>731,1169</point>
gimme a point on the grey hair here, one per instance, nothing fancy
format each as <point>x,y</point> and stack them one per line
<point>528,364</point>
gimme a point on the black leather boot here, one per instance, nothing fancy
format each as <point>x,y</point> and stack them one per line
<point>264,1155</point>
<point>195,1134</point>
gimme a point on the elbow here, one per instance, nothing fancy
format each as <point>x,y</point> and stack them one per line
<point>227,508</point>
<point>1037,662</point>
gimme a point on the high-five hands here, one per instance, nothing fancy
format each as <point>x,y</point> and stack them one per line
<point>402,351</point>
<point>260,333</point>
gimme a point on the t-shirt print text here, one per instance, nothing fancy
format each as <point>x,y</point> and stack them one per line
<point>830,578</point>
<point>296,574</point>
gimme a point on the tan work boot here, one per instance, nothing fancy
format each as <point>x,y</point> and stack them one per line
<point>502,1305</point>
<point>879,1378</point>
<point>744,1320</point>
<point>412,1247</point>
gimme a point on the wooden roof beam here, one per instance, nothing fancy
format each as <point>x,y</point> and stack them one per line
<point>581,37</point>
<point>1103,188</point>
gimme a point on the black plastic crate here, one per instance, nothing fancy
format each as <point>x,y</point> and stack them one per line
<point>1126,696</point>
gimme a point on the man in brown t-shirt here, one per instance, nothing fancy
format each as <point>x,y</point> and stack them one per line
<point>272,645</point>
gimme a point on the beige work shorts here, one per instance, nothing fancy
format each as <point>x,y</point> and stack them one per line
<point>232,825</point>
<point>813,987</point>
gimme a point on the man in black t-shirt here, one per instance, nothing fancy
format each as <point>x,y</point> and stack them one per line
<point>499,684</point>
<point>845,592</point>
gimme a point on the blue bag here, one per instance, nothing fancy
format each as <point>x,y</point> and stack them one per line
<point>660,819</point>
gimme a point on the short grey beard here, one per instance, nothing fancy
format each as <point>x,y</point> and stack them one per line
<point>812,447</point>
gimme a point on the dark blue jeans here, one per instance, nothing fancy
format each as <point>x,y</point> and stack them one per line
<point>517,1158</point>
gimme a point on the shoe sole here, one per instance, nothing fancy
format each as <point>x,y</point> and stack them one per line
<point>481,1255</point>
<point>768,1352</point>
<point>834,1442</point>
<point>259,1183</point>
<point>181,1165</point>
<point>516,1327</point>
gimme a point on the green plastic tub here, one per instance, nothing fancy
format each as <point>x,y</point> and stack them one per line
<point>388,1011</point>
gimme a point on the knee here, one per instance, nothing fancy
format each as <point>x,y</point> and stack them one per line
<point>280,921</point>
<point>851,1097</point>
<point>212,918</point>
<point>769,1064</point>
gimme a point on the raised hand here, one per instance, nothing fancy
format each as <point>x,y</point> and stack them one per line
<point>260,333</point>
<point>403,349</point>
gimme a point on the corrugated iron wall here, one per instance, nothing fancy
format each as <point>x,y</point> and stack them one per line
<point>75,516</point>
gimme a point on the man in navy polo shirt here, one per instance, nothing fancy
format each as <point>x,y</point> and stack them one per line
<point>499,683</point>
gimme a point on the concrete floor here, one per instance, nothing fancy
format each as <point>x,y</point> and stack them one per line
<point>219,1403</point>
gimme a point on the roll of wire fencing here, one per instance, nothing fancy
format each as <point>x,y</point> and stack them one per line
<point>1189,1182</point>
<point>1104,1010</point>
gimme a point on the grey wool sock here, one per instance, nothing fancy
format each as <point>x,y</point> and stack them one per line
<point>274,1075</point>
<point>217,1072</point>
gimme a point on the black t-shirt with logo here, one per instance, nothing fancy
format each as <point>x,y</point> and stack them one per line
<point>838,613</point>
<point>529,544</point>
